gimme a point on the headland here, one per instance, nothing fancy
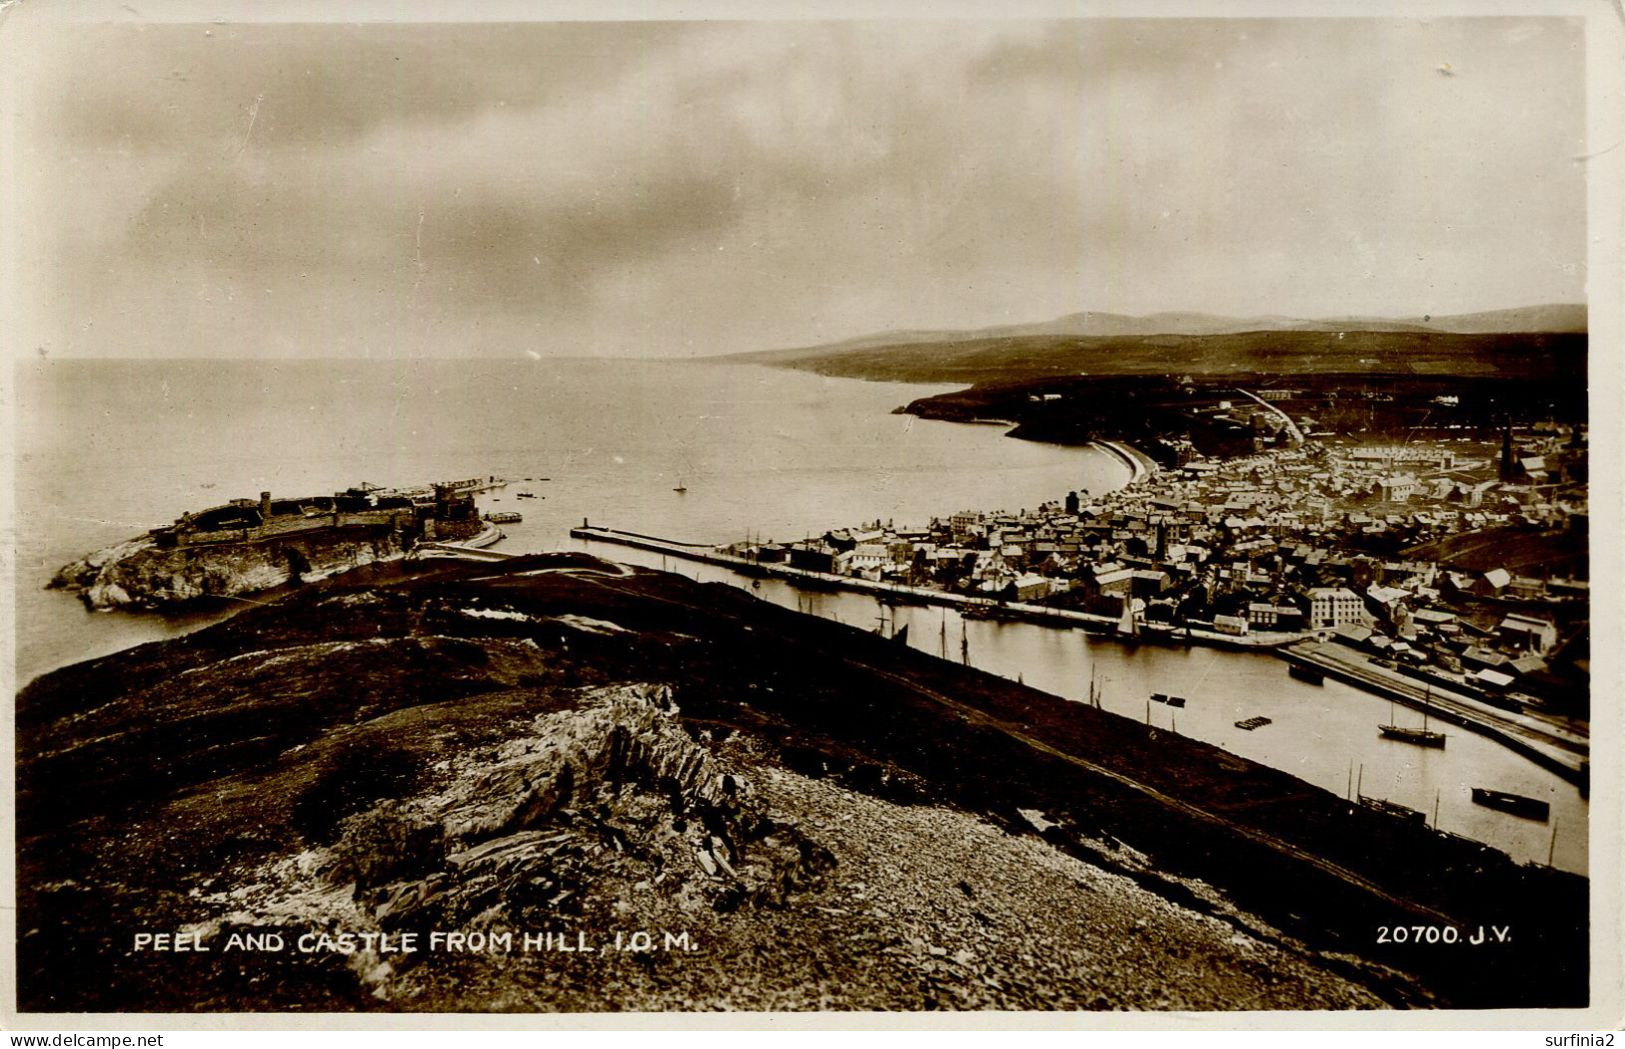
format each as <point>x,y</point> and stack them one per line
<point>248,546</point>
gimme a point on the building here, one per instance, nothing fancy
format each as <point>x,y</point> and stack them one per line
<point>1335,606</point>
<point>1032,588</point>
<point>1527,634</point>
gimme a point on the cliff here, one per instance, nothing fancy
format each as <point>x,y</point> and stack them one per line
<point>137,573</point>
<point>797,814</point>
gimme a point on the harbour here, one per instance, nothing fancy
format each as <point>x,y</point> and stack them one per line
<point>1325,734</point>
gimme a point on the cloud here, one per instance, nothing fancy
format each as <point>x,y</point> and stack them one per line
<point>651,187</point>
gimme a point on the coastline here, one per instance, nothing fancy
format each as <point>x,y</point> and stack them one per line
<point>1141,466</point>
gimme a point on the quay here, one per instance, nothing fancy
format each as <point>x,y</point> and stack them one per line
<point>1561,752</point>
<point>919,595</point>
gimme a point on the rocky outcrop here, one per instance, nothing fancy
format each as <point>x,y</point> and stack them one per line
<point>137,573</point>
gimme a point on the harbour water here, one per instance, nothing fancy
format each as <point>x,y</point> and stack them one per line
<point>106,450</point>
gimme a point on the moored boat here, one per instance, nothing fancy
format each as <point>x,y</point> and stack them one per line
<point>1516,804</point>
<point>1420,736</point>
<point>1305,673</point>
<point>1394,809</point>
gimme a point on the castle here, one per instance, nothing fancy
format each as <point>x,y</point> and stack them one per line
<point>438,512</point>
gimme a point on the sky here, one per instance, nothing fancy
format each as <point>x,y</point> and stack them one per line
<point>687,189</point>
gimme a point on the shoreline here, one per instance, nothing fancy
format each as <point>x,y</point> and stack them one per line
<point>1141,466</point>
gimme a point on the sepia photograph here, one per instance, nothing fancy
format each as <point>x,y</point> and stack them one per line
<point>530,511</point>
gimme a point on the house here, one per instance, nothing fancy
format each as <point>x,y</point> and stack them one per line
<point>812,557</point>
<point>1396,489</point>
<point>1032,587</point>
<point>1265,616</point>
<point>1527,634</point>
<point>1492,582</point>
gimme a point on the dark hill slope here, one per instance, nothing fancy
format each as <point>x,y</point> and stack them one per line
<point>558,744</point>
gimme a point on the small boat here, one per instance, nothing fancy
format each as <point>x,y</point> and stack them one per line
<point>504,517</point>
<point>1258,721</point>
<point>1394,809</point>
<point>1516,804</point>
<point>1303,673</point>
<point>681,488</point>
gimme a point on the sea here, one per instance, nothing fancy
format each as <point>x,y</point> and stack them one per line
<point>699,451</point>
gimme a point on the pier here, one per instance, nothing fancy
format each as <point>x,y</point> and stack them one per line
<point>1558,751</point>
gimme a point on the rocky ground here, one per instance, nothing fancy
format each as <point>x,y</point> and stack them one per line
<point>562,749</point>
<point>137,573</point>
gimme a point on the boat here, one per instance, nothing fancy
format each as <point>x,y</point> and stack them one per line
<point>1394,809</point>
<point>504,517</point>
<point>1303,673</point>
<point>1516,804</point>
<point>1422,737</point>
<point>526,495</point>
<point>1257,721</point>
<point>1128,628</point>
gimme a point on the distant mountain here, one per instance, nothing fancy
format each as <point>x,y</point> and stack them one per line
<point>1547,319</point>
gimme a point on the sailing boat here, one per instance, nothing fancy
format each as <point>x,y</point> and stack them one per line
<point>1128,628</point>
<point>1094,689</point>
<point>1422,737</point>
<point>681,487</point>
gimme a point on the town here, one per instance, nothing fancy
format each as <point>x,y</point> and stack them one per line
<point>1451,560</point>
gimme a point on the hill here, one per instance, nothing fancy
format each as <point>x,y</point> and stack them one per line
<point>1107,343</point>
<point>799,814</point>
<point>1028,357</point>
